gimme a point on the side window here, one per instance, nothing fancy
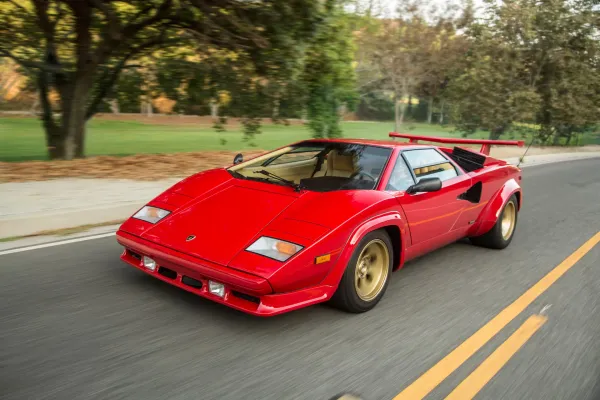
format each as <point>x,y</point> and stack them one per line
<point>428,163</point>
<point>400,179</point>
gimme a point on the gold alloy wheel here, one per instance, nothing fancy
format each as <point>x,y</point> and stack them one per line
<point>508,220</point>
<point>372,268</point>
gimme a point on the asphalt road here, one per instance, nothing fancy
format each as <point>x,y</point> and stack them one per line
<point>76,323</point>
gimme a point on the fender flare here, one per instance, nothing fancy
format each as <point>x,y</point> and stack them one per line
<point>392,218</point>
<point>491,212</point>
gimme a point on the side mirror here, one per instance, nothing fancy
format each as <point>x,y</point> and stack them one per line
<point>425,185</point>
<point>238,158</point>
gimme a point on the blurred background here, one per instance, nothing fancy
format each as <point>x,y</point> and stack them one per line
<point>123,78</point>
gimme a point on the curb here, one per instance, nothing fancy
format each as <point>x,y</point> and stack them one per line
<point>551,158</point>
<point>35,223</point>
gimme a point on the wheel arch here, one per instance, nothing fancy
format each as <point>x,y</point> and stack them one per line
<point>518,195</point>
<point>394,225</point>
<point>491,212</point>
<point>395,235</point>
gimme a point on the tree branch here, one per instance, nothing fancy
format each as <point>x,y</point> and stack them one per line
<point>14,3</point>
<point>49,122</point>
<point>142,12</point>
<point>110,77</point>
<point>108,46</point>
<point>105,85</point>
<point>32,64</point>
<point>41,10</point>
<point>161,13</point>
<point>114,26</point>
<point>233,18</point>
<point>59,15</point>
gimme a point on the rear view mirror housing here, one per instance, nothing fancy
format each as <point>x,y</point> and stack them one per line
<point>425,185</point>
<point>238,158</point>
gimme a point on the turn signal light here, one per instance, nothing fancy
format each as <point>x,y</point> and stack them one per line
<point>286,248</point>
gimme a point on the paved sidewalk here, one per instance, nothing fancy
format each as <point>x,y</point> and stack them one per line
<point>30,207</point>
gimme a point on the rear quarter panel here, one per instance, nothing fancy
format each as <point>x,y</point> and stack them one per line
<point>499,183</point>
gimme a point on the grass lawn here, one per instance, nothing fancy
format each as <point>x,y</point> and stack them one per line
<point>23,138</point>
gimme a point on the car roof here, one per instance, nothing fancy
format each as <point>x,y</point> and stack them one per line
<point>371,142</point>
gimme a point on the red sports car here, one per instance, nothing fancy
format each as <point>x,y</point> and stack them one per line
<point>321,220</point>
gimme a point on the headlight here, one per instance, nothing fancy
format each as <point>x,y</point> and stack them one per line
<point>151,214</point>
<point>274,248</point>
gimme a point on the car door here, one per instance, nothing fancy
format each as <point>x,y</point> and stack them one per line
<point>430,215</point>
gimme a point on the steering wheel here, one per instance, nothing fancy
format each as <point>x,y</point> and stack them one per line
<point>363,174</point>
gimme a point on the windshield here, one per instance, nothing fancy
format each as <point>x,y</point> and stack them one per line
<point>319,166</point>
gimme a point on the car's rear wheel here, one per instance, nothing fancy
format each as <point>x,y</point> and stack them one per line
<point>503,231</point>
<point>367,274</point>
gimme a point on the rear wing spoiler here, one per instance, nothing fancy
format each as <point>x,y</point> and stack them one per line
<point>486,144</point>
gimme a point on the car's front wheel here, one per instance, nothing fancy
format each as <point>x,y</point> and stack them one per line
<point>503,231</point>
<point>367,274</point>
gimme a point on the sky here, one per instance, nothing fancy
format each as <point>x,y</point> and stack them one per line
<point>387,8</point>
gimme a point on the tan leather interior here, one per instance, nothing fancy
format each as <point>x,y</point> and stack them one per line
<point>339,165</point>
<point>335,165</point>
<point>292,171</point>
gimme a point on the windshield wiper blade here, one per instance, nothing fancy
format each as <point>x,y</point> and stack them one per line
<point>236,174</point>
<point>293,184</point>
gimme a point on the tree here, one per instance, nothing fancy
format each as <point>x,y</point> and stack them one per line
<point>396,59</point>
<point>444,55</point>
<point>79,48</point>
<point>411,55</point>
<point>492,90</point>
<point>328,75</point>
<point>531,61</point>
<point>563,48</point>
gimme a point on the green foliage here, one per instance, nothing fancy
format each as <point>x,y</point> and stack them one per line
<point>128,91</point>
<point>531,61</point>
<point>328,75</point>
<point>375,105</point>
<point>78,49</point>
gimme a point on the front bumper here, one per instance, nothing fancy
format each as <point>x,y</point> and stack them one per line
<point>243,291</point>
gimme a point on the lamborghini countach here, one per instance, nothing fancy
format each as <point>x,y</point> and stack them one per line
<point>323,220</point>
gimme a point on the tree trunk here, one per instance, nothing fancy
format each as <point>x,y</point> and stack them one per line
<point>430,109</point>
<point>397,114</point>
<point>114,106</point>
<point>214,110</point>
<point>54,142</point>
<point>80,138</point>
<point>557,136</point>
<point>441,112</point>
<point>546,104</point>
<point>54,136</point>
<point>34,106</point>
<point>496,132</point>
<point>74,98</point>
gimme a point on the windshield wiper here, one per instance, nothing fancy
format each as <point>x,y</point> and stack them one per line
<point>236,174</point>
<point>293,184</point>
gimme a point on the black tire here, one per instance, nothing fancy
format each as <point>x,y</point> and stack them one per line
<point>494,239</point>
<point>346,296</point>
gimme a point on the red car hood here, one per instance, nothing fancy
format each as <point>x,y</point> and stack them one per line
<point>225,215</point>
<point>223,223</point>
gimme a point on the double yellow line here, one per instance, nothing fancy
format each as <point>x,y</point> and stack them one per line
<point>468,388</point>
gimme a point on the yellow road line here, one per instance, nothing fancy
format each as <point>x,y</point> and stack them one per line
<point>434,376</point>
<point>490,367</point>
